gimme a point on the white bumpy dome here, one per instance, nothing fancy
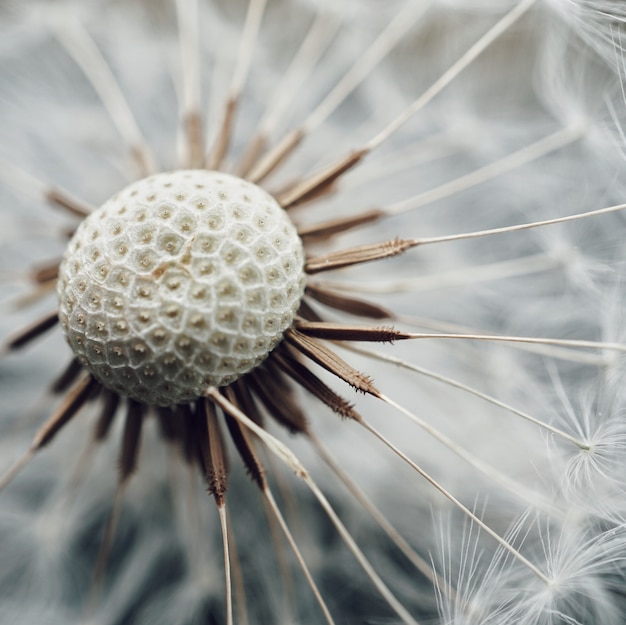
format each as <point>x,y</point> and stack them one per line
<point>181,281</point>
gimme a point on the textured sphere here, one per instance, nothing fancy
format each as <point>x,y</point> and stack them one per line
<point>181,281</point>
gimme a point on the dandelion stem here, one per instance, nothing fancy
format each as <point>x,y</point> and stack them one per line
<point>278,154</point>
<point>105,547</point>
<point>427,150</point>
<point>10,474</point>
<point>399,609</point>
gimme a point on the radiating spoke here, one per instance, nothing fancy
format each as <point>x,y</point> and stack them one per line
<point>127,465</point>
<point>289,458</point>
<point>501,541</point>
<point>551,143</point>
<point>313,46</point>
<point>30,333</point>
<point>190,105</point>
<point>31,186</point>
<point>221,508</point>
<point>371,57</point>
<point>348,161</point>
<point>71,404</point>
<point>256,8</point>
<point>464,275</point>
<point>472,391</point>
<point>267,493</point>
<point>81,47</point>
<point>448,76</point>
<point>417,561</point>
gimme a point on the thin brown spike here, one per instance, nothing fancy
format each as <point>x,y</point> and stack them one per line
<point>195,143</point>
<point>72,403</point>
<point>305,378</point>
<point>327,359</point>
<point>213,451</point>
<point>131,438</point>
<point>219,460</point>
<point>333,227</point>
<point>46,273</point>
<point>317,183</point>
<point>110,404</point>
<point>142,159</point>
<point>185,416</point>
<point>67,377</point>
<point>105,546</point>
<point>223,138</point>
<point>68,202</point>
<point>244,444</point>
<point>167,426</point>
<point>31,332</point>
<point>344,332</point>
<point>307,312</point>
<point>34,295</point>
<point>278,400</point>
<point>245,401</point>
<point>324,190</point>
<point>358,255</point>
<point>251,155</point>
<point>276,156</point>
<point>242,441</point>
<point>351,305</point>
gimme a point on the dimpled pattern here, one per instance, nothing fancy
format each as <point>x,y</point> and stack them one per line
<point>181,281</point>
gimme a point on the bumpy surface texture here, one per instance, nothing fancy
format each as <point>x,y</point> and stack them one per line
<point>181,281</point>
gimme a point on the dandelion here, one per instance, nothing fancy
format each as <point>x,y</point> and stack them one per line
<point>252,194</point>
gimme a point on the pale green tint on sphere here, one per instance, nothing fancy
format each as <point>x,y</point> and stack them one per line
<point>181,281</point>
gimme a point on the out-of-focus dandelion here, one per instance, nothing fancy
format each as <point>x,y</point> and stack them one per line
<point>279,184</point>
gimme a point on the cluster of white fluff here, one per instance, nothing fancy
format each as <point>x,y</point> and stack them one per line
<point>557,494</point>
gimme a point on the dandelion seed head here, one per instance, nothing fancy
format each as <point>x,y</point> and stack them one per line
<point>519,134</point>
<point>181,281</point>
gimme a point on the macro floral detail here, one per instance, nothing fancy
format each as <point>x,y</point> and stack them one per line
<point>312,312</point>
